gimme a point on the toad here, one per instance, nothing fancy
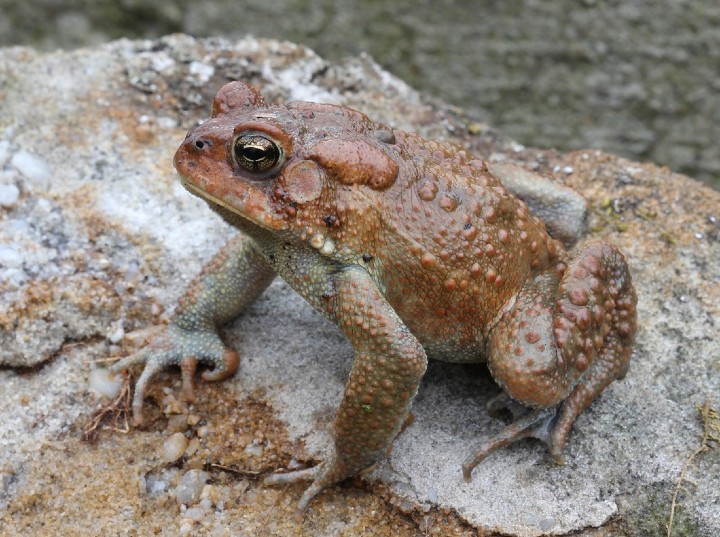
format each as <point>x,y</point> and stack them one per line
<point>415,249</point>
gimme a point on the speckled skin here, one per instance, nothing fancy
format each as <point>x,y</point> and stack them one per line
<point>414,248</point>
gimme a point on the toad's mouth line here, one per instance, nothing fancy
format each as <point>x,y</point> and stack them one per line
<point>202,194</point>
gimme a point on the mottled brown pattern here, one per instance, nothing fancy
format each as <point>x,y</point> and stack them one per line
<point>413,248</point>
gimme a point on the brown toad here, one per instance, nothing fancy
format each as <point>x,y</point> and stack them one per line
<point>414,249</point>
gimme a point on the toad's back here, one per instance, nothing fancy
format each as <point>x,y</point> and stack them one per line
<point>451,246</point>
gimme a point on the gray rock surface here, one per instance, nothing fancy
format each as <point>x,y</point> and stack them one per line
<point>638,78</point>
<point>100,240</point>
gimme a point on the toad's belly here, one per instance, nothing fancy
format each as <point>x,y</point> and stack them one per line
<point>455,351</point>
<point>448,330</point>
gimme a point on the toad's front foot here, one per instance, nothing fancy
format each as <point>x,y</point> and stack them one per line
<point>183,348</point>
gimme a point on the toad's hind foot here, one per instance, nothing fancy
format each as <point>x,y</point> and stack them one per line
<point>534,424</point>
<point>321,477</point>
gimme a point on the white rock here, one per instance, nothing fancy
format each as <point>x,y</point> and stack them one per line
<point>32,167</point>
<point>174,447</point>
<point>116,335</point>
<point>202,71</point>
<point>9,257</point>
<point>104,383</point>
<point>190,487</point>
<point>9,195</point>
<point>195,513</point>
<point>254,449</point>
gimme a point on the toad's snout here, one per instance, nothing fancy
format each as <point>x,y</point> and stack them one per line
<point>196,147</point>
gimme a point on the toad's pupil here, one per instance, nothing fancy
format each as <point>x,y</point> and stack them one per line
<point>256,154</point>
<point>253,152</point>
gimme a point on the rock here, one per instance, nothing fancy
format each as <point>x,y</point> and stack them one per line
<point>32,167</point>
<point>104,383</point>
<point>191,486</point>
<point>9,195</point>
<point>174,447</point>
<point>105,243</point>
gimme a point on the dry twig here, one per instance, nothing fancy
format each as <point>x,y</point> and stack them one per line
<point>117,412</point>
<point>710,438</point>
<point>250,474</point>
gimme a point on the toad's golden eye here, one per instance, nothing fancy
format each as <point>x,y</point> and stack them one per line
<point>256,153</point>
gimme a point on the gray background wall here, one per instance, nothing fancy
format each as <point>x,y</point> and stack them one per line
<point>640,78</point>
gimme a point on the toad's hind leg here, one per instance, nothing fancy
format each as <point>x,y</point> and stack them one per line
<point>535,423</point>
<point>599,283</point>
<point>561,344</point>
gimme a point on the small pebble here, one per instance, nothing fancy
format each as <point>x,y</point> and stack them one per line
<point>9,195</point>
<point>32,167</point>
<point>174,447</point>
<point>177,423</point>
<point>171,405</point>
<point>193,420</point>
<point>104,383</point>
<point>161,63</point>
<point>195,513</point>
<point>191,486</point>
<point>155,485</point>
<point>10,257</point>
<point>117,335</point>
<point>406,506</point>
<point>544,523</point>
<point>254,449</point>
<point>193,446</point>
<point>210,495</point>
<point>202,71</point>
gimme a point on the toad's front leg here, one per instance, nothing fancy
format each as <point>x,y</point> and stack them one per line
<point>233,278</point>
<point>389,363</point>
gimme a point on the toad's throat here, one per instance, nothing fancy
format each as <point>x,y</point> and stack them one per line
<point>204,195</point>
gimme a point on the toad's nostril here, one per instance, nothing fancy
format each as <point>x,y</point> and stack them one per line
<point>202,144</point>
